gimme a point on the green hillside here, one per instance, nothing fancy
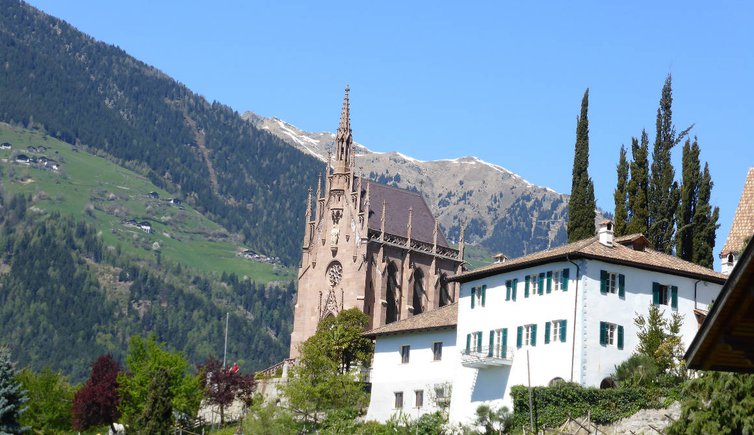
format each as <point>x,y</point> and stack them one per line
<point>104,194</point>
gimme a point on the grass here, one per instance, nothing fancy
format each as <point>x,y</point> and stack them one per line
<point>99,191</point>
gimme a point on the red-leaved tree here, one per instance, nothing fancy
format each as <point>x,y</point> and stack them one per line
<point>96,403</point>
<point>223,385</point>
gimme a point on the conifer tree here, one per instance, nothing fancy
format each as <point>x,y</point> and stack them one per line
<point>582,204</point>
<point>663,190</point>
<point>687,207</point>
<point>12,397</point>
<point>705,222</point>
<point>638,186</point>
<point>157,417</point>
<point>621,192</point>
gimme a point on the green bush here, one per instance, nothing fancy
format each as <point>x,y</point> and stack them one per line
<point>553,405</point>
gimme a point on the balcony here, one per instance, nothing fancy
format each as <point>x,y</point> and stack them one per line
<point>483,358</point>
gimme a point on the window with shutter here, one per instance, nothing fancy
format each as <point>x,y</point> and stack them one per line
<point>468,344</point>
<point>611,334</point>
<point>621,285</point>
<point>519,336</point>
<point>526,286</point>
<point>620,337</point>
<point>515,285</point>
<point>562,331</point>
<point>556,280</point>
<point>479,341</point>
<point>674,297</point>
<point>533,335</point>
<point>490,350</point>
<point>549,281</point>
<point>603,333</point>
<point>541,284</point>
<point>508,285</point>
<point>547,332</point>
<point>564,278</point>
<point>504,342</point>
<point>484,294</point>
<point>603,282</point>
<point>473,297</point>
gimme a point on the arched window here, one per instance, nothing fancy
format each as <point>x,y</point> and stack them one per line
<point>608,382</point>
<point>391,312</point>
<point>445,297</point>
<point>418,293</point>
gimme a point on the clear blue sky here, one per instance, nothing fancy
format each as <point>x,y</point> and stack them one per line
<point>445,79</point>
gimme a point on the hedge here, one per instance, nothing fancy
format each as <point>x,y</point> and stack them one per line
<point>553,405</point>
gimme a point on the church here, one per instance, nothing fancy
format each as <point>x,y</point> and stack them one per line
<point>367,245</point>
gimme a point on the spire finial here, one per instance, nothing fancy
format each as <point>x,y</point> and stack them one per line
<point>344,139</point>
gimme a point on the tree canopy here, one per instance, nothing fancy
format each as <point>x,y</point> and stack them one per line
<point>581,206</point>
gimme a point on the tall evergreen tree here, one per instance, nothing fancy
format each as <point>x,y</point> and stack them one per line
<point>157,417</point>
<point>663,190</point>
<point>705,222</point>
<point>582,204</point>
<point>621,195</point>
<point>638,186</point>
<point>686,209</point>
<point>12,397</point>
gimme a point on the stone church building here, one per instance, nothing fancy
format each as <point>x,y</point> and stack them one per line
<point>370,246</point>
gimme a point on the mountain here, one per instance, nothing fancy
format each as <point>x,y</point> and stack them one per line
<point>502,211</point>
<point>83,92</point>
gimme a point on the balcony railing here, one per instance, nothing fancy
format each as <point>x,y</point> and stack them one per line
<point>481,358</point>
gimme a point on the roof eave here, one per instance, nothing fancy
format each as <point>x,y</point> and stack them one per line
<point>373,334</point>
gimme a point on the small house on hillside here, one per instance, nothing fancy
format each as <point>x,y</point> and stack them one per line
<point>5,146</point>
<point>31,149</point>
<point>22,158</point>
<point>154,195</point>
<point>146,227</point>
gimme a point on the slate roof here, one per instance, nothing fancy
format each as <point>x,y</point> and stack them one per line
<point>743,221</point>
<point>397,203</point>
<point>591,248</point>
<point>443,317</point>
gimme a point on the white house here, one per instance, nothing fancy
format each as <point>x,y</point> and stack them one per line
<point>565,313</point>
<point>415,361</point>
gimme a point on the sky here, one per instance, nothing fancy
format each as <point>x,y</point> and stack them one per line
<point>502,81</point>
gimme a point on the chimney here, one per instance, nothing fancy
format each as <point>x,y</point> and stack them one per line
<point>729,263</point>
<point>606,233</point>
<point>500,258</point>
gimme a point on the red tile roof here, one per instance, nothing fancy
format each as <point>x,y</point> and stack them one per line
<point>743,221</point>
<point>443,317</point>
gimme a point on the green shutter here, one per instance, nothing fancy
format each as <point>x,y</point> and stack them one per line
<point>515,286</point>
<point>519,336</point>
<point>473,294</point>
<point>547,332</point>
<point>508,290</point>
<point>603,282</point>
<point>620,337</point>
<point>533,335</point>
<point>656,293</point>
<point>479,341</point>
<point>603,333</point>
<point>468,344</point>
<point>484,294</point>
<point>622,285</point>
<point>504,344</point>
<point>526,286</point>
<point>674,297</point>
<point>541,286</point>
<point>563,331</point>
<point>564,280</point>
<point>549,281</point>
<point>492,343</point>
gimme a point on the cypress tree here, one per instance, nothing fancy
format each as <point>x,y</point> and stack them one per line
<point>638,186</point>
<point>12,397</point>
<point>621,195</point>
<point>663,190</point>
<point>157,417</point>
<point>582,204</point>
<point>687,207</point>
<point>705,222</point>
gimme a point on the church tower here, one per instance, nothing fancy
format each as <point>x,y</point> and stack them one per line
<point>370,246</point>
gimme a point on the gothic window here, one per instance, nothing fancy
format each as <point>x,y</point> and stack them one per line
<point>445,297</point>
<point>391,314</point>
<point>334,273</point>
<point>418,297</point>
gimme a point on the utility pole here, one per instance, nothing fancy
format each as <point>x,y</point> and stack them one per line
<point>225,351</point>
<point>531,406</point>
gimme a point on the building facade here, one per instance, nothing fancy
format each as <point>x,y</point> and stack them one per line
<point>414,364</point>
<point>370,246</point>
<point>566,314</point>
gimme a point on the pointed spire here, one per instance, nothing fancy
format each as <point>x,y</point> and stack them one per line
<point>408,227</point>
<point>309,206</point>
<point>382,221</point>
<point>344,137</point>
<point>327,173</point>
<point>307,219</point>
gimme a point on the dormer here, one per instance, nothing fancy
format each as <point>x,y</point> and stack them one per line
<point>500,258</point>
<point>606,233</point>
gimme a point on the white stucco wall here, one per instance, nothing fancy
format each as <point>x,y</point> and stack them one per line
<point>591,361</point>
<point>389,375</point>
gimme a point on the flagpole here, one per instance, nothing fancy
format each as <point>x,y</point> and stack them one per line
<point>225,351</point>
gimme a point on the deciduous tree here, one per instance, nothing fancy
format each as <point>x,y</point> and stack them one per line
<point>223,385</point>
<point>96,403</point>
<point>50,399</point>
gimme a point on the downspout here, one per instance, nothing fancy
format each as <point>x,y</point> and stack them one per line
<point>695,284</point>
<point>575,306</point>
